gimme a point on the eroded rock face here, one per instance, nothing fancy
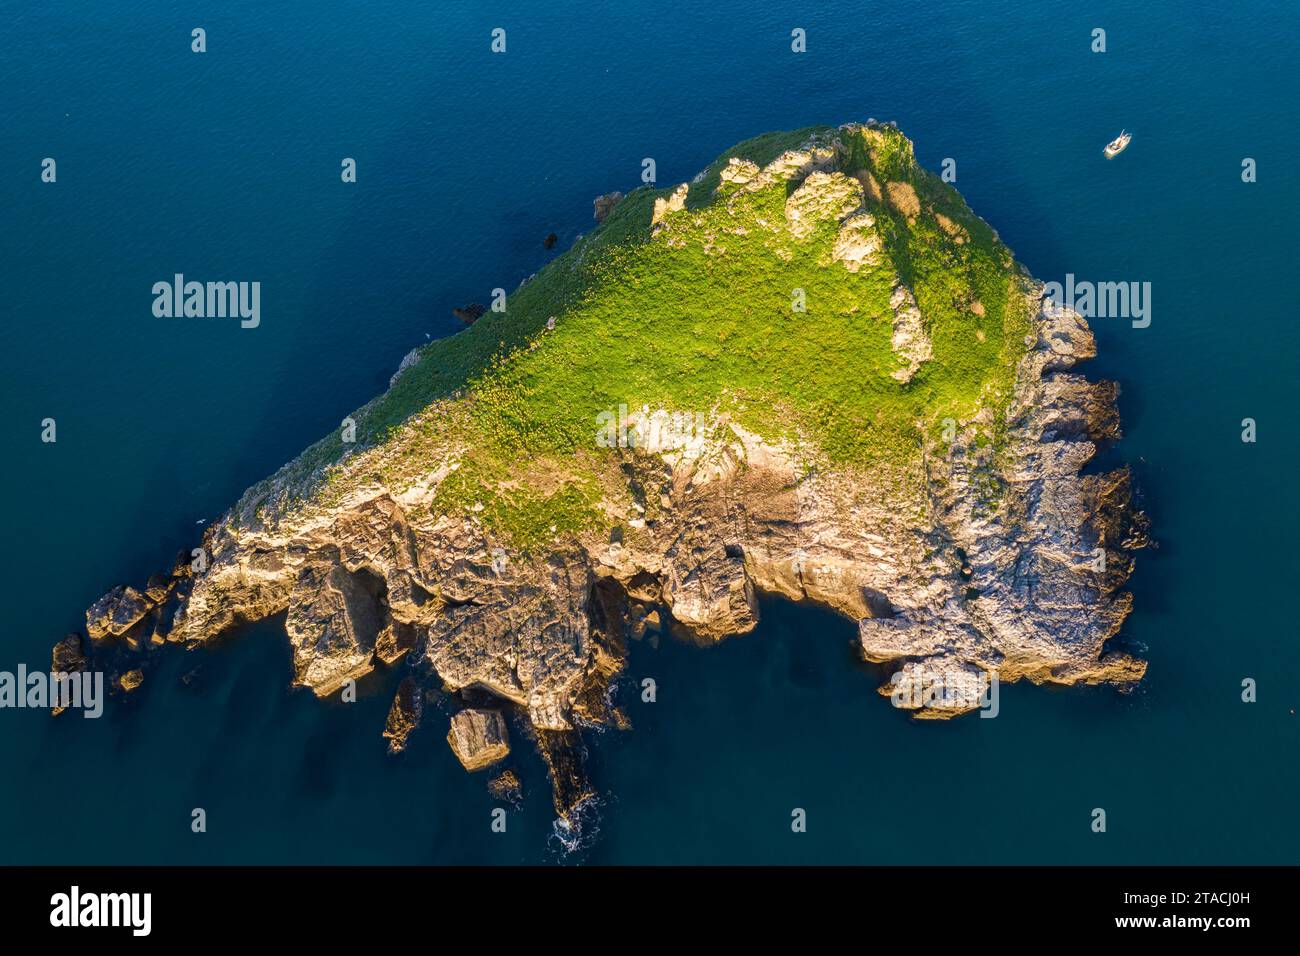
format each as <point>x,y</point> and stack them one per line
<point>334,618</point>
<point>479,738</point>
<point>961,564</point>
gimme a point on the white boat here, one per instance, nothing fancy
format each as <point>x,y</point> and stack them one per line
<point>1117,145</point>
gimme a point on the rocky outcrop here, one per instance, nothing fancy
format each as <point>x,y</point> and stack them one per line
<point>404,716</point>
<point>909,340</point>
<point>395,641</point>
<point>334,619</point>
<point>602,206</point>
<point>821,197</point>
<point>116,613</point>
<point>858,244</point>
<point>479,738</point>
<point>971,559</point>
<point>665,205</point>
<point>409,359</point>
<point>67,658</point>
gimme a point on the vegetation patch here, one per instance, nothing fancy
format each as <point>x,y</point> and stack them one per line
<point>721,307</point>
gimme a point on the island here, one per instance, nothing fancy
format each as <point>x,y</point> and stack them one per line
<point>811,371</point>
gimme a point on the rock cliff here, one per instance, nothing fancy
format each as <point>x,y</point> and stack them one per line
<point>901,438</point>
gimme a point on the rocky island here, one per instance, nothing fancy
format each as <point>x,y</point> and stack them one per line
<point>811,371</point>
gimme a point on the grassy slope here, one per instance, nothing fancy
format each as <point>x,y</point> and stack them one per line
<point>692,327</point>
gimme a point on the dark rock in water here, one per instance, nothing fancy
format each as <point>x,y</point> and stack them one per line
<point>67,658</point>
<point>604,205</point>
<point>404,716</point>
<point>562,752</point>
<point>507,788</point>
<point>116,612</point>
<point>550,241</point>
<point>479,738</point>
<point>470,314</point>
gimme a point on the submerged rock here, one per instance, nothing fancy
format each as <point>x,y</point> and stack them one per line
<point>507,788</point>
<point>673,202</point>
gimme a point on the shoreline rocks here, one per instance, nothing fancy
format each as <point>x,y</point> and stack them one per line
<point>479,738</point>
<point>603,205</point>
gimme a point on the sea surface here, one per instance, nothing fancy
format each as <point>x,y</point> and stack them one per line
<point>226,165</point>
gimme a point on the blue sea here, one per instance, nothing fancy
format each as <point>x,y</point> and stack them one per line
<point>226,164</point>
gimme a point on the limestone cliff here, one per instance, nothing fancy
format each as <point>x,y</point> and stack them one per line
<point>972,544</point>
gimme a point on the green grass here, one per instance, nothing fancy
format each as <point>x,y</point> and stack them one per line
<point>696,319</point>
